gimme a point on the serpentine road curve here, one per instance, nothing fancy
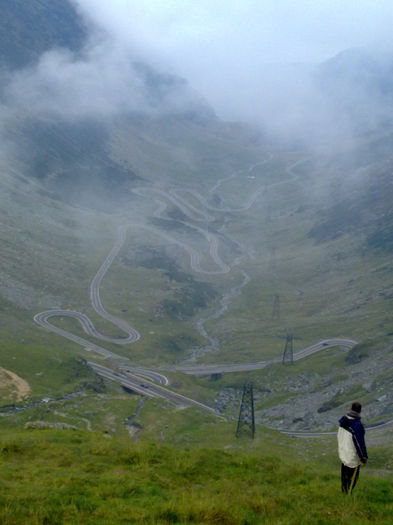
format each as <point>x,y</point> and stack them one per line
<point>246,367</point>
<point>133,335</point>
<point>130,375</point>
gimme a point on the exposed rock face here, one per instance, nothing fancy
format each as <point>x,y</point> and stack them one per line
<point>319,402</point>
<point>227,400</point>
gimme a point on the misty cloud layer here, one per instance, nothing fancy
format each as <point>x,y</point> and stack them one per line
<point>105,82</point>
<point>100,84</point>
<point>237,54</point>
<point>247,59</point>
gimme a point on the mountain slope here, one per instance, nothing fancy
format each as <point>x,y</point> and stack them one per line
<point>29,29</point>
<point>69,476</point>
<point>209,241</point>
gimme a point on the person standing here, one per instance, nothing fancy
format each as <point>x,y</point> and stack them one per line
<point>352,449</point>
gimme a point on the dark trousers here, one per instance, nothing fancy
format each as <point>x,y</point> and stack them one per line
<point>349,478</point>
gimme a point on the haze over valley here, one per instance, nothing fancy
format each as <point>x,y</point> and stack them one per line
<point>169,237</point>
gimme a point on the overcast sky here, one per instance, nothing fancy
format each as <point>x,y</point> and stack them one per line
<point>264,30</point>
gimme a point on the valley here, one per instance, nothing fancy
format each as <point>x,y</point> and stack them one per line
<point>196,275</point>
<point>198,235</point>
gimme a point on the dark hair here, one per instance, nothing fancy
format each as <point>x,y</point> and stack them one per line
<point>356,407</point>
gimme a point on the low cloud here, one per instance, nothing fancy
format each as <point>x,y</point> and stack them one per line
<point>328,104</point>
<point>225,58</point>
<point>104,81</point>
<point>99,84</point>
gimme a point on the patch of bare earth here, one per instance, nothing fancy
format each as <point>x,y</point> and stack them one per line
<point>17,387</point>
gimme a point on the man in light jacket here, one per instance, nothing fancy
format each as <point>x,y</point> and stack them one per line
<point>351,447</point>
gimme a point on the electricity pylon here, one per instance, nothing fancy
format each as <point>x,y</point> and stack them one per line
<point>287,356</point>
<point>246,421</point>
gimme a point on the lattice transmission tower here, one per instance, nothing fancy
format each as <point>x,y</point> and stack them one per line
<point>287,356</point>
<point>246,421</point>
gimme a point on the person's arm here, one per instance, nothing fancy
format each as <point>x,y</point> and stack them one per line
<point>359,441</point>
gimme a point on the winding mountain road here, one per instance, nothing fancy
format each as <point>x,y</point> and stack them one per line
<point>141,379</point>
<point>130,380</point>
<point>95,299</point>
<point>247,367</point>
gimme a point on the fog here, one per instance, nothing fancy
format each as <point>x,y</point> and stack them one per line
<point>251,61</point>
<point>102,83</point>
<point>255,61</point>
<point>77,88</point>
<point>197,35</point>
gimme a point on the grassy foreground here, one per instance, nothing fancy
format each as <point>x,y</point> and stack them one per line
<point>73,477</point>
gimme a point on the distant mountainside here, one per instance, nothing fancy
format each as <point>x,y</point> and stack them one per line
<point>360,196</point>
<point>28,29</point>
<point>321,105</point>
<point>358,86</point>
<point>343,110</point>
<point>73,156</point>
<point>359,68</point>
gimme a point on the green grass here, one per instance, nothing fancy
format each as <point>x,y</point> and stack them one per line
<point>329,289</point>
<point>63,477</point>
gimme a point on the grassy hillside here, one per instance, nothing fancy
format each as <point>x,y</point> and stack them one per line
<point>59,477</point>
<point>322,284</point>
<point>325,289</point>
